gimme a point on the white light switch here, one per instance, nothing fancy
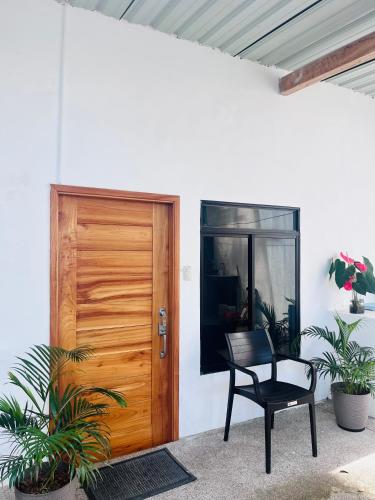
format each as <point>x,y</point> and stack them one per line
<point>186,273</point>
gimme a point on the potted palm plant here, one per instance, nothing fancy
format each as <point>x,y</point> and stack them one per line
<point>352,370</point>
<point>56,434</point>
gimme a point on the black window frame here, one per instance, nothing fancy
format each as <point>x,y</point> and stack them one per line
<point>251,233</point>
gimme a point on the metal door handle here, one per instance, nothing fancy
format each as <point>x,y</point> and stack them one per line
<point>163,353</point>
<point>163,330</point>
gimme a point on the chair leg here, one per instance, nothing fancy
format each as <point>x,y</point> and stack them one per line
<point>272,420</point>
<point>313,430</point>
<point>230,405</point>
<point>267,433</point>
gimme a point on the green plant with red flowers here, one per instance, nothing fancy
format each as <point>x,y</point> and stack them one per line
<point>353,275</point>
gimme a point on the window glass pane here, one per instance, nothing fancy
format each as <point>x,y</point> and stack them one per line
<point>225,296</point>
<point>239,217</point>
<point>275,292</point>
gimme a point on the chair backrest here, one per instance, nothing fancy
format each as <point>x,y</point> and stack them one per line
<point>250,348</point>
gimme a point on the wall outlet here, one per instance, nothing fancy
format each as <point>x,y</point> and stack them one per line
<point>187,273</point>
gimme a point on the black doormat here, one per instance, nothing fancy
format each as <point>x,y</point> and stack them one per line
<point>140,477</point>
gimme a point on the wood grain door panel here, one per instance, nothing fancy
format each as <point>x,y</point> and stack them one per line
<point>129,213</point>
<point>132,440</point>
<point>113,274</point>
<point>115,264</point>
<point>113,237</point>
<point>131,312</point>
<point>95,289</point>
<point>123,337</point>
<point>113,368</point>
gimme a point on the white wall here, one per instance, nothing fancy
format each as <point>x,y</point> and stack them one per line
<point>144,111</point>
<point>29,75</point>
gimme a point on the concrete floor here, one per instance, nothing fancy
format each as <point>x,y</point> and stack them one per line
<point>344,469</point>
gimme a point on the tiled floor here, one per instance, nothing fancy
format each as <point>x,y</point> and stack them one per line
<point>344,469</point>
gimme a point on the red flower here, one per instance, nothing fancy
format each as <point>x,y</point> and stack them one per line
<point>346,258</point>
<point>348,285</point>
<point>360,266</point>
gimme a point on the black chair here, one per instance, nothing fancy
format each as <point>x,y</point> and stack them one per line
<point>255,348</point>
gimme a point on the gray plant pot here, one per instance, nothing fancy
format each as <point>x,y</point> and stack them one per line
<point>67,492</point>
<point>351,410</point>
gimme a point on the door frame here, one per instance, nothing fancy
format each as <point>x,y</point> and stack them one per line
<point>173,202</point>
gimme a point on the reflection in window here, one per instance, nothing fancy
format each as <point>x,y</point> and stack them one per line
<point>225,295</point>
<point>275,290</point>
<point>237,217</point>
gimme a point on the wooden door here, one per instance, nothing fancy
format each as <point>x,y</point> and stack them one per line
<point>115,266</point>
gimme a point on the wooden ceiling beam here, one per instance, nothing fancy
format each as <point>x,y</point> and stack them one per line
<point>342,59</point>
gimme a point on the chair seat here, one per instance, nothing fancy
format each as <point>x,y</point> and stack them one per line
<point>274,391</point>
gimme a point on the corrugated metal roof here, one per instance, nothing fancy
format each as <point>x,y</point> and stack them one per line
<point>282,33</point>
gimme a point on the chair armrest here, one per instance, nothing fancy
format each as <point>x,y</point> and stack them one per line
<point>312,371</point>
<point>252,374</point>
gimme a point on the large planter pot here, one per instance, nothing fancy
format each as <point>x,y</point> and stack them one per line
<point>67,492</point>
<point>351,410</point>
